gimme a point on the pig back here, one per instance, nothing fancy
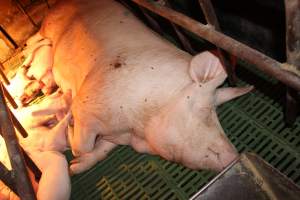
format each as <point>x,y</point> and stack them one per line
<point>103,35</point>
<point>134,71</point>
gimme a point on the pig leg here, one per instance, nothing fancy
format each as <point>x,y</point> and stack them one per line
<point>55,181</point>
<point>88,160</point>
<point>56,139</point>
<point>57,103</point>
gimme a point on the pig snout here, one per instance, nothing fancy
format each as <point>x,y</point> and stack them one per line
<point>219,160</point>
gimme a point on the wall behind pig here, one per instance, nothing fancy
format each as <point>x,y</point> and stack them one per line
<point>259,24</point>
<point>17,24</point>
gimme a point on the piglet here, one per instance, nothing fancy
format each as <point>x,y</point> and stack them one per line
<point>39,62</point>
<point>22,88</point>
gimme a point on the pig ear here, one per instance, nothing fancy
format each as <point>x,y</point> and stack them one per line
<point>207,68</point>
<point>226,94</point>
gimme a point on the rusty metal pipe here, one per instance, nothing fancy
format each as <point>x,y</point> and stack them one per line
<point>6,178</point>
<point>9,97</point>
<point>18,125</point>
<point>22,9</point>
<point>21,177</point>
<point>183,39</point>
<point>263,62</point>
<point>8,37</point>
<point>3,76</point>
<point>211,18</point>
<point>292,16</point>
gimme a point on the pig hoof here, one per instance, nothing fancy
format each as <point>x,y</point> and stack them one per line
<point>82,163</point>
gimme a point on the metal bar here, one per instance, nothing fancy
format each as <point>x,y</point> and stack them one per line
<point>3,76</point>
<point>263,62</point>
<point>292,13</point>
<point>8,37</point>
<point>9,97</point>
<point>32,166</point>
<point>292,10</point>
<point>18,126</point>
<point>152,21</point>
<point>212,19</point>
<point>22,9</point>
<point>21,177</point>
<point>229,166</point>
<point>47,3</point>
<point>6,178</point>
<point>183,39</point>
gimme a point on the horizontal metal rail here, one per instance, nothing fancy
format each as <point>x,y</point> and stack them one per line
<point>263,62</point>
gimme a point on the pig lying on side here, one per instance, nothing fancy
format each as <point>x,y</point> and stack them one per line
<point>131,87</point>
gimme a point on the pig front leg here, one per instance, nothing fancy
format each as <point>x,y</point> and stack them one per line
<point>88,160</point>
<point>57,103</point>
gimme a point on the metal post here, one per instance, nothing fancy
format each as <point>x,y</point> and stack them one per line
<point>17,124</point>
<point>32,166</point>
<point>22,9</point>
<point>9,97</point>
<point>47,3</point>
<point>183,39</point>
<point>152,21</point>
<point>3,76</point>
<point>8,37</point>
<point>6,178</point>
<point>21,177</point>
<point>212,20</point>
<point>292,13</point>
<point>263,62</point>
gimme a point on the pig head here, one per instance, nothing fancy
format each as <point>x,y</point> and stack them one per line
<point>185,129</point>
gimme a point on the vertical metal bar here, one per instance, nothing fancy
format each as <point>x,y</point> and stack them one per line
<point>6,178</point>
<point>18,126</point>
<point>183,39</point>
<point>22,9</point>
<point>152,21</point>
<point>9,97</point>
<point>212,20</point>
<point>8,37</point>
<point>3,76</point>
<point>32,166</point>
<point>47,3</point>
<point>21,177</point>
<point>292,13</point>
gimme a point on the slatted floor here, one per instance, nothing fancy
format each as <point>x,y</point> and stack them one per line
<point>253,123</point>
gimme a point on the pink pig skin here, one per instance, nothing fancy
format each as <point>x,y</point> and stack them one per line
<point>132,87</point>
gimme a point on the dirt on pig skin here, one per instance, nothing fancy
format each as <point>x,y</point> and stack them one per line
<point>109,93</point>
